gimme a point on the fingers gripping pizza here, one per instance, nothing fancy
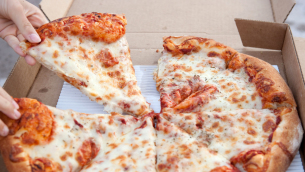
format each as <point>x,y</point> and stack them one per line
<point>53,140</point>
<point>90,52</point>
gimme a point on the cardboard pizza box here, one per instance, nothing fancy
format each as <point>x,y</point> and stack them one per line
<point>253,27</point>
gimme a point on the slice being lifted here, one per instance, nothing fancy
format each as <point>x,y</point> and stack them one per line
<point>53,140</point>
<point>90,52</point>
<point>198,74</point>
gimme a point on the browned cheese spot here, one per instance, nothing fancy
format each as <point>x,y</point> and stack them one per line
<point>55,54</point>
<point>251,131</point>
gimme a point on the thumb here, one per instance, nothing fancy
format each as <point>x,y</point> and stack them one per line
<point>25,27</point>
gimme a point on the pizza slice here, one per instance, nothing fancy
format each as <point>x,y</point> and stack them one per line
<point>247,137</point>
<point>178,151</point>
<point>190,64</point>
<point>182,64</point>
<point>90,52</point>
<point>134,151</point>
<point>49,139</point>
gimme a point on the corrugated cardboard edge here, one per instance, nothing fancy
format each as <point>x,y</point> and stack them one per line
<point>55,11</point>
<point>21,78</point>
<point>278,38</point>
<point>281,9</point>
<point>271,35</point>
<point>296,83</point>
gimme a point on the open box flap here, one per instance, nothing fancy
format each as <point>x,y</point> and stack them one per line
<point>259,34</point>
<point>55,9</point>
<point>281,9</point>
<point>277,36</point>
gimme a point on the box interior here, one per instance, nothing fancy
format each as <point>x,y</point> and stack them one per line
<point>149,21</point>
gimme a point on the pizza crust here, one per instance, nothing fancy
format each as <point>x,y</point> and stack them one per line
<point>180,45</point>
<point>111,27</point>
<point>289,132</point>
<point>269,83</point>
<point>278,160</point>
<point>5,148</point>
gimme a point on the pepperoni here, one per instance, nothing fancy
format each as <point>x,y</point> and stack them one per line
<point>87,152</point>
<point>36,119</point>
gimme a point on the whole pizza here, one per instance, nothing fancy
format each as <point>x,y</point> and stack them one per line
<point>221,111</point>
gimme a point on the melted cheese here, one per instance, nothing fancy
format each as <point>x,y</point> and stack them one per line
<point>231,132</point>
<point>178,151</point>
<point>72,129</point>
<point>83,60</point>
<point>234,89</point>
<point>234,92</point>
<point>178,70</point>
<point>134,151</point>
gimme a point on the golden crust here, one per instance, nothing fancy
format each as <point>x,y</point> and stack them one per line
<point>289,131</point>
<point>181,45</point>
<point>269,83</point>
<point>5,148</point>
<point>96,26</point>
<point>277,160</point>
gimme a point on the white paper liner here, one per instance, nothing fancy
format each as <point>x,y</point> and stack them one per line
<point>71,98</point>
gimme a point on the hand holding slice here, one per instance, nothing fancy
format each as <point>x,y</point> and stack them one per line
<point>52,140</point>
<point>90,52</point>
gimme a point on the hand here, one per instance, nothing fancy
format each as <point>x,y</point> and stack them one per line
<point>9,107</point>
<point>17,21</point>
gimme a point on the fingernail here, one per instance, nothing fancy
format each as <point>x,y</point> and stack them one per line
<point>35,38</point>
<point>15,105</point>
<point>4,131</point>
<point>16,114</point>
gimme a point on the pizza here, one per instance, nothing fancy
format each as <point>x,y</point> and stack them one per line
<point>198,74</point>
<point>221,111</point>
<point>53,140</point>
<point>90,52</point>
<point>178,151</point>
<point>237,106</point>
<point>246,137</point>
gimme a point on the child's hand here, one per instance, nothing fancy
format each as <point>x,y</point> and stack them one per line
<point>17,21</point>
<point>9,107</point>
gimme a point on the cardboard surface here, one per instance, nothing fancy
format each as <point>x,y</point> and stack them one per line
<point>55,9</point>
<point>261,34</point>
<point>281,9</point>
<point>149,21</point>
<point>173,17</point>
<point>21,78</point>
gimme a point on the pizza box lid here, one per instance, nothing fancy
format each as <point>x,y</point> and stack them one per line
<point>239,24</point>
